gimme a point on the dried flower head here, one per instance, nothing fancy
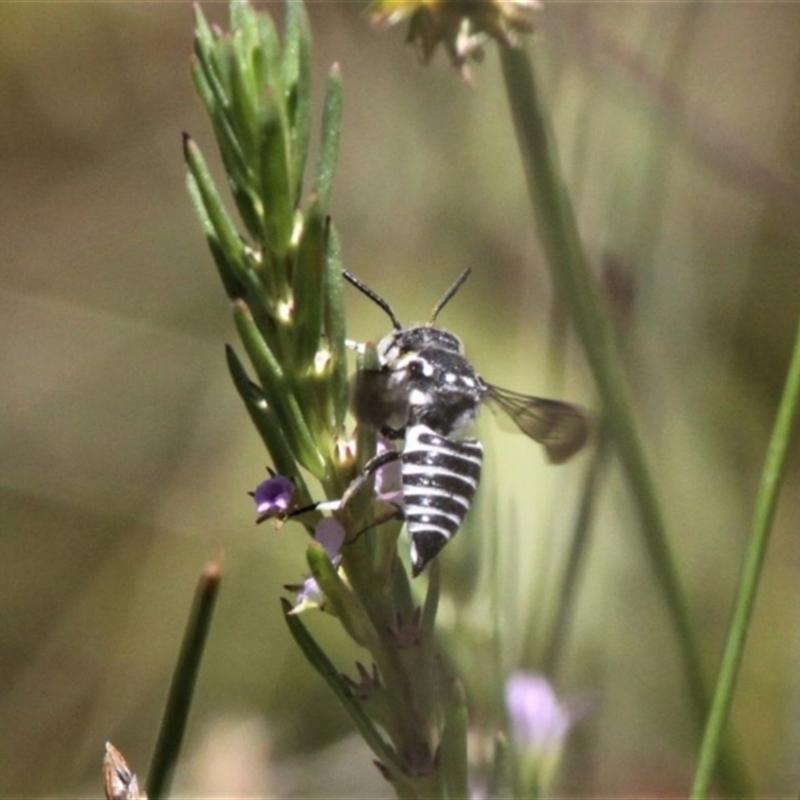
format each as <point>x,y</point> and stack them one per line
<point>120,782</point>
<point>463,27</point>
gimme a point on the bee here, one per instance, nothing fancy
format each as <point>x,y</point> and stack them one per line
<point>427,393</point>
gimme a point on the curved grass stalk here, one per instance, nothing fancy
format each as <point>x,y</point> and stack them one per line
<point>577,288</point>
<point>763,517</point>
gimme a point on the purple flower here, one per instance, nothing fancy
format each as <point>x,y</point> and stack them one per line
<point>309,595</point>
<point>539,723</point>
<point>330,534</point>
<point>539,720</point>
<point>274,497</point>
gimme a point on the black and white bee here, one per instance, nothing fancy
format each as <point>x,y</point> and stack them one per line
<point>427,393</point>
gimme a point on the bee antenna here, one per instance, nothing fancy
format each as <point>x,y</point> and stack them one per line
<point>448,295</point>
<point>376,298</point>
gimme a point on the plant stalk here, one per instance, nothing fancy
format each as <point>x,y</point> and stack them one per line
<point>763,517</point>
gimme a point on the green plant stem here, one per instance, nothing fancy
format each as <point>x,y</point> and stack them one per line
<point>575,284</point>
<point>176,713</point>
<point>319,660</point>
<point>568,584</point>
<point>763,516</point>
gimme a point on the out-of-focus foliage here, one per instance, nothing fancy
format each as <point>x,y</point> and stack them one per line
<point>126,455</point>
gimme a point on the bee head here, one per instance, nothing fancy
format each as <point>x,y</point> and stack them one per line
<point>397,346</point>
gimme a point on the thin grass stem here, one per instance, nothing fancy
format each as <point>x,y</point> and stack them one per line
<point>568,585</point>
<point>763,517</point>
<point>176,713</point>
<point>576,286</point>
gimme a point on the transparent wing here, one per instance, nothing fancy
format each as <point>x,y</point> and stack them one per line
<point>561,428</point>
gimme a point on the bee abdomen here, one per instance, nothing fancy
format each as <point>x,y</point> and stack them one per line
<point>440,477</point>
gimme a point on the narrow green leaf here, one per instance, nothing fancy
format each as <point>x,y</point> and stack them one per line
<point>256,43</point>
<point>227,271</point>
<point>277,391</point>
<point>244,100</point>
<point>454,744</point>
<point>269,57</point>
<point>204,38</point>
<point>334,327</point>
<point>367,362</point>
<point>205,194</point>
<point>214,59</point>
<point>291,34</point>
<point>331,131</point>
<point>308,289</point>
<point>215,65</point>
<point>275,175</point>
<point>226,268</point>
<point>263,306</point>
<point>217,106</point>
<point>243,21</point>
<point>362,502</point>
<point>199,206</point>
<point>267,424</point>
<point>343,602</point>
<point>297,83</point>
<point>213,96</point>
<point>176,713</point>
<point>322,664</point>
<point>239,175</point>
<point>248,205</point>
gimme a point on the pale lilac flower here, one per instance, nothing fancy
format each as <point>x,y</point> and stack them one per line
<point>330,534</point>
<point>539,720</point>
<point>274,497</point>
<point>478,791</point>
<point>309,595</point>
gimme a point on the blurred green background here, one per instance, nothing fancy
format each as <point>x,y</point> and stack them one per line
<point>126,455</point>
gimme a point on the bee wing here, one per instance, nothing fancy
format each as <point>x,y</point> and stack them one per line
<point>561,428</point>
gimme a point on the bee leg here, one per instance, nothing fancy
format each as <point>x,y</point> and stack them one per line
<point>397,513</point>
<point>370,468</point>
<point>325,505</point>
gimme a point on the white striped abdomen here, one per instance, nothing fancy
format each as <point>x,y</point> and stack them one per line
<point>439,477</point>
